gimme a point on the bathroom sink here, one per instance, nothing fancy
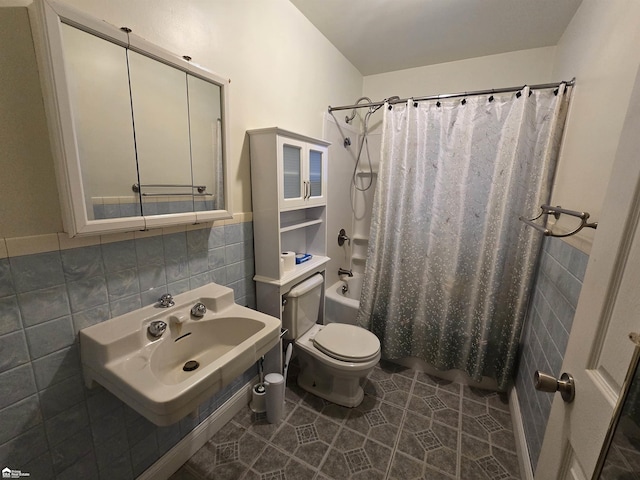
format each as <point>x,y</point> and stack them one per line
<point>205,342</point>
<point>165,378</point>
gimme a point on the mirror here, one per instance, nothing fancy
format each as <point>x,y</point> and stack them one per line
<point>141,134</point>
<point>161,118</point>
<point>205,114</point>
<point>621,450</point>
<point>108,160</point>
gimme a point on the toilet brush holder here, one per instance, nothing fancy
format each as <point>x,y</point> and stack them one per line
<point>258,399</point>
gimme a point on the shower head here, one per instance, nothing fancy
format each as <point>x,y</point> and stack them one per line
<point>394,97</point>
<point>349,118</point>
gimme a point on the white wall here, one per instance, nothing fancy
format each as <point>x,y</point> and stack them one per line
<point>492,71</point>
<point>28,193</point>
<point>339,210</point>
<point>601,48</point>
<point>283,72</point>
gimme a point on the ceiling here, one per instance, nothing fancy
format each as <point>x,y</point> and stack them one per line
<point>380,36</point>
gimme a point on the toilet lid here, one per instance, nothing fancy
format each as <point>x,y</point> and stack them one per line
<point>347,342</point>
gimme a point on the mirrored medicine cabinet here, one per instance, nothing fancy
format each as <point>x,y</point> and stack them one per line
<point>139,135</point>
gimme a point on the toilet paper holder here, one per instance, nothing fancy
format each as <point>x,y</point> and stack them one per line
<point>258,398</point>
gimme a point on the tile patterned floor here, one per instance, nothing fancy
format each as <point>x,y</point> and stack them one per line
<point>623,458</point>
<point>409,426</point>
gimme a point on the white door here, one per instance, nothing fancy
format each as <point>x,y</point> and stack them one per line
<point>599,352</point>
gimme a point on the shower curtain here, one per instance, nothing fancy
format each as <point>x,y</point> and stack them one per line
<point>449,265</point>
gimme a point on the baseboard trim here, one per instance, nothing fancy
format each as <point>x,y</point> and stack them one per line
<point>171,461</point>
<point>518,431</point>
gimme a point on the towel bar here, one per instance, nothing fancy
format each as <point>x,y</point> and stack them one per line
<point>556,212</point>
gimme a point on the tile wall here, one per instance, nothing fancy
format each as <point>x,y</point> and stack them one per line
<point>120,207</point>
<point>549,319</point>
<point>51,425</point>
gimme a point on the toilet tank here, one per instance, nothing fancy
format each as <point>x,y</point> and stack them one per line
<point>303,305</point>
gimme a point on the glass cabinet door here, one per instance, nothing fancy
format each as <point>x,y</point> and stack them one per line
<point>291,172</point>
<point>302,169</point>
<point>316,174</point>
<point>293,187</point>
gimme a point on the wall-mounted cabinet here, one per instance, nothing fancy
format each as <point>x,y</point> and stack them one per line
<point>288,173</point>
<point>139,134</point>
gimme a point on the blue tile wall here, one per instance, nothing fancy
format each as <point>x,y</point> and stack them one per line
<point>133,209</point>
<point>546,333</point>
<point>52,426</point>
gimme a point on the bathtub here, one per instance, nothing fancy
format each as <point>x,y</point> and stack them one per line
<point>343,307</point>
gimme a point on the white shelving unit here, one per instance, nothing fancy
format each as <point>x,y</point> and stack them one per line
<point>366,173</point>
<point>364,201</point>
<point>294,225</point>
<point>360,240</point>
<point>288,185</point>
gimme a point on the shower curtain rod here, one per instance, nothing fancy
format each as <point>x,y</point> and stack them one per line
<point>394,100</point>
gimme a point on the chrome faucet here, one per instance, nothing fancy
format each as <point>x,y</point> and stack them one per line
<point>157,328</point>
<point>166,301</point>
<point>344,271</point>
<point>198,310</point>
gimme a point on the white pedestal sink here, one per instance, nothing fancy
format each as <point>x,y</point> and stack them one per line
<point>167,377</point>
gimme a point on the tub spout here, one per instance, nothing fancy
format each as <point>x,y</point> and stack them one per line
<point>342,306</point>
<point>344,271</point>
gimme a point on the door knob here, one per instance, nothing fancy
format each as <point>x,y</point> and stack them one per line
<point>548,383</point>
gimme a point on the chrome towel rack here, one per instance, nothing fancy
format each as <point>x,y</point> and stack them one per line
<point>556,212</point>
<point>200,188</point>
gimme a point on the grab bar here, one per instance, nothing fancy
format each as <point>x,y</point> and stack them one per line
<point>556,212</point>
<point>540,228</point>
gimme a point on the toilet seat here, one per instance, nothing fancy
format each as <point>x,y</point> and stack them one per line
<point>347,343</point>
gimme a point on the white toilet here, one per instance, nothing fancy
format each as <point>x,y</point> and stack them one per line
<point>333,358</point>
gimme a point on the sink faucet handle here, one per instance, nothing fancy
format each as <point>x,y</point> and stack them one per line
<point>166,301</point>
<point>157,328</point>
<point>198,310</point>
